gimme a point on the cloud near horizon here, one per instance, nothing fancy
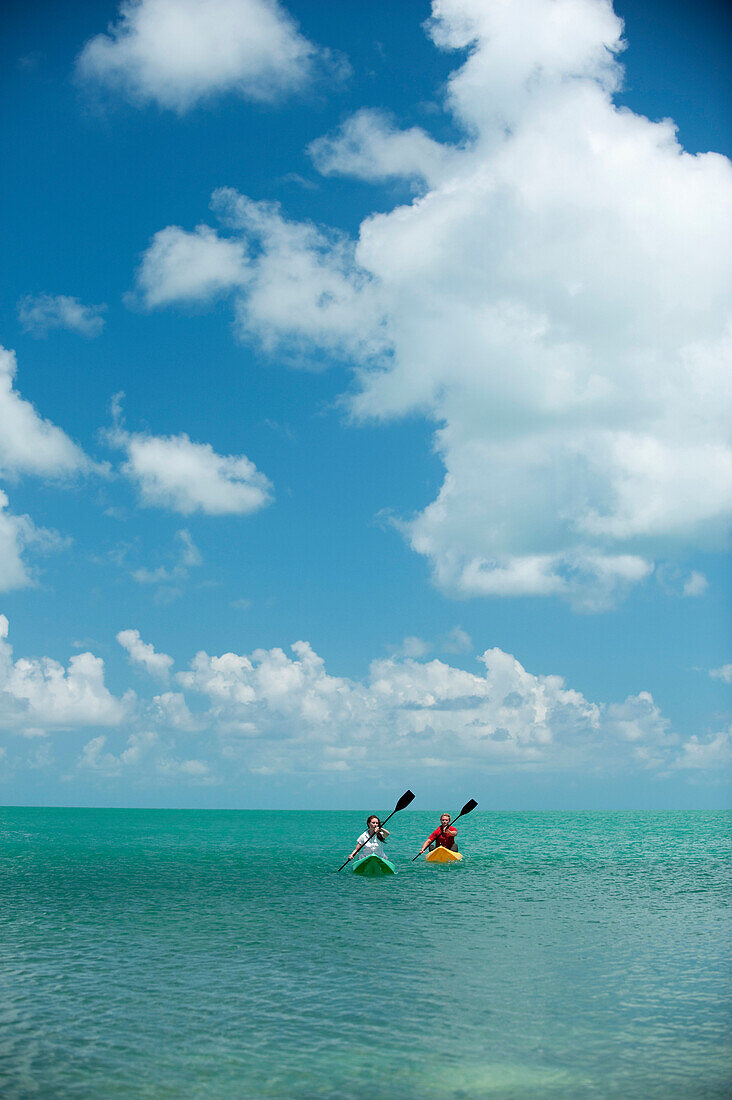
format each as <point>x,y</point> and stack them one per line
<point>39,694</point>
<point>177,53</point>
<point>268,713</point>
<point>555,299</point>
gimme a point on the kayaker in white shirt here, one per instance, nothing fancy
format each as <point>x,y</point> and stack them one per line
<point>369,843</point>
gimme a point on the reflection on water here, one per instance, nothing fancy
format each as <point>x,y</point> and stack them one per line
<point>158,954</point>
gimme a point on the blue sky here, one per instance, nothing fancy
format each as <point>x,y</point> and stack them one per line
<point>403,340</point>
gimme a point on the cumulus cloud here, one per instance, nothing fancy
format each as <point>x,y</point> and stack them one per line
<point>723,673</point>
<point>283,712</point>
<point>180,266</point>
<point>28,443</point>
<point>288,688</point>
<point>299,287</point>
<point>271,711</point>
<point>17,533</point>
<point>368,146</point>
<point>40,693</point>
<point>140,756</point>
<point>197,770</point>
<point>142,653</point>
<point>555,300</point>
<point>710,754</point>
<point>171,710</point>
<point>39,313</point>
<point>176,473</point>
<point>94,757</point>
<point>14,532</point>
<point>178,52</point>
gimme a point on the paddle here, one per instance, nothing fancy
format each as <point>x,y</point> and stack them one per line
<point>404,801</point>
<point>467,808</point>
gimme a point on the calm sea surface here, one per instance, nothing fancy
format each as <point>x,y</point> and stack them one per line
<point>216,954</point>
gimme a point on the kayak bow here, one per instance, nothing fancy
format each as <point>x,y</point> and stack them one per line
<point>372,866</point>
<point>443,855</point>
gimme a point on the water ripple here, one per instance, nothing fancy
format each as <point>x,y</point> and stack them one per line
<point>156,954</point>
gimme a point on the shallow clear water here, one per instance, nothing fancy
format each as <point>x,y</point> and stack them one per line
<point>216,954</point>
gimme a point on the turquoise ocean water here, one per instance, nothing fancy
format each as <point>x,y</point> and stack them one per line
<point>169,954</point>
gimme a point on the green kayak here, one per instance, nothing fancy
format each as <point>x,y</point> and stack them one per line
<point>373,865</point>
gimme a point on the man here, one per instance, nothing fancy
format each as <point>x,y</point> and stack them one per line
<point>444,837</point>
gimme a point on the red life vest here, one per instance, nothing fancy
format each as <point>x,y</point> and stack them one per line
<point>444,840</point>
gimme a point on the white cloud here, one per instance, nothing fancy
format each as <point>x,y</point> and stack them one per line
<point>271,712</point>
<point>93,756</point>
<point>180,266</point>
<point>299,287</point>
<point>287,688</point>
<point>28,443</point>
<point>712,754</point>
<point>696,584</point>
<point>145,756</point>
<point>138,748</point>
<point>723,673</point>
<point>174,472</point>
<point>197,770</point>
<point>369,147</point>
<point>65,696</point>
<point>639,723</point>
<point>178,52</point>
<point>41,693</point>
<point>13,534</point>
<point>157,664</point>
<point>171,709</point>
<point>556,302</point>
<point>17,533</point>
<point>289,713</point>
<point>39,313</point>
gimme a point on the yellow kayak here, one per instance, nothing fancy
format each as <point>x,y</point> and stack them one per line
<point>443,855</point>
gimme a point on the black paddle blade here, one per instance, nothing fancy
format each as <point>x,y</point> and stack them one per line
<point>404,801</point>
<point>468,807</point>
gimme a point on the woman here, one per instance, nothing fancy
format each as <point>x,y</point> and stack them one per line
<point>444,837</point>
<point>369,843</point>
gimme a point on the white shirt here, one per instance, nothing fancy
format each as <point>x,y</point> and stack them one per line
<point>371,846</point>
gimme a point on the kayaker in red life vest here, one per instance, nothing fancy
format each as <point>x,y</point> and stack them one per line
<point>444,837</point>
